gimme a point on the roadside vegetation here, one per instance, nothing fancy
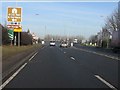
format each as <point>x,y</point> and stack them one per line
<point>0,53</point>
<point>104,37</point>
<point>8,51</point>
<point>27,44</point>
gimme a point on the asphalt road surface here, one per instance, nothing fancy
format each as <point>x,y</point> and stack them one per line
<point>55,67</point>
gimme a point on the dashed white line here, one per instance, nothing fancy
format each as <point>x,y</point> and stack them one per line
<point>33,56</point>
<point>42,47</point>
<point>9,79</point>
<point>64,52</point>
<point>105,82</point>
<point>72,58</point>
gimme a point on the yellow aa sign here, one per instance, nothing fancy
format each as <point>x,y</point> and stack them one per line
<point>14,14</point>
<point>17,29</point>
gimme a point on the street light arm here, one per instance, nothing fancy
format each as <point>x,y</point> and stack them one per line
<point>36,14</point>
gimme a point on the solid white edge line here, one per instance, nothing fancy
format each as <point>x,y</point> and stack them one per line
<point>33,56</point>
<point>108,56</point>
<point>9,79</point>
<point>105,82</point>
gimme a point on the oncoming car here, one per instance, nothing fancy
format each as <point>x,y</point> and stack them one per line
<point>64,44</point>
<point>52,43</point>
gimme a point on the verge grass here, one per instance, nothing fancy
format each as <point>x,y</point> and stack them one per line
<point>8,51</point>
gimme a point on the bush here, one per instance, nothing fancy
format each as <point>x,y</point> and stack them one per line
<point>5,38</point>
<point>26,38</point>
<point>104,44</point>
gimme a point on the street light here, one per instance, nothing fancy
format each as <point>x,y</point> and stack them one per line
<point>45,27</point>
<point>36,14</point>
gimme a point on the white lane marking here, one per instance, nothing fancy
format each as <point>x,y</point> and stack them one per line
<point>105,82</point>
<point>72,58</point>
<point>64,52</point>
<point>42,47</point>
<point>9,79</point>
<point>108,56</point>
<point>33,56</point>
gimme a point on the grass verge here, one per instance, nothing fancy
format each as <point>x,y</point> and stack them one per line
<point>8,51</point>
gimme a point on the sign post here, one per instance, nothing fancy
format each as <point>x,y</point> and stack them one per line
<point>18,30</point>
<point>14,15</point>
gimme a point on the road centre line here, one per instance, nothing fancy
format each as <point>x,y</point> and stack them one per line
<point>108,56</point>
<point>9,79</point>
<point>33,56</point>
<point>42,47</point>
<point>105,82</point>
<point>72,58</point>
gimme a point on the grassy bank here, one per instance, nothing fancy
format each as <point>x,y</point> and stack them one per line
<point>0,53</point>
<point>8,51</point>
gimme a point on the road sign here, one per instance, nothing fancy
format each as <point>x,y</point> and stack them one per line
<point>10,34</point>
<point>14,26</point>
<point>14,14</point>
<point>17,29</point>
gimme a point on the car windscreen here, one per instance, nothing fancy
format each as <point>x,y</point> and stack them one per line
<point>52,41</point>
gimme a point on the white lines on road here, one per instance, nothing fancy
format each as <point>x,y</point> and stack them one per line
<point>105,82</point>
<point>33,56</point>
<point>108,56</point>
<point>43,47</point>
<point>9,79</point>
<point>64,52</point>
<point>72,58</point>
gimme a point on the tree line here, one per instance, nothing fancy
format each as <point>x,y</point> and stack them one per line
<point>49,37</point>
<point>112,24</point>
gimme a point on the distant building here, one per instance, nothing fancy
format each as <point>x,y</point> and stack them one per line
<point>35,38</point>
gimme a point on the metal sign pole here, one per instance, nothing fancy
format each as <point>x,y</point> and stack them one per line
<point>16,11</point>
<point>18,38</point>
<point>11,42</point>
<point>15,41</point>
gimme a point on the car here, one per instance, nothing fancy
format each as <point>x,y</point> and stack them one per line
<point>64,44</point>
<point>43,42</point>
<point>52,43</point>
<point>75,41</point>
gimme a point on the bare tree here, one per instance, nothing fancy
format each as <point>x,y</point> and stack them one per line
<point>119,15</point>
<point>48,37</point>
<point>112,22</point>
<point>93,39</point>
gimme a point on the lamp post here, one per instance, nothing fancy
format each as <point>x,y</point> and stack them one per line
<point>45,27</point>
